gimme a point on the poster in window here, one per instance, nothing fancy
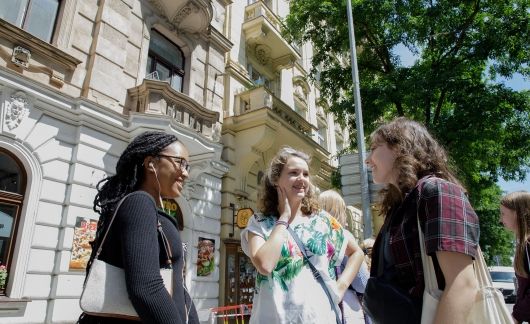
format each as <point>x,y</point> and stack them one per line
<point>205,257</point>
<point>84,233</point>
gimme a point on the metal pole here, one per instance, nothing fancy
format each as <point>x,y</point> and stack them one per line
<point>365,191</point>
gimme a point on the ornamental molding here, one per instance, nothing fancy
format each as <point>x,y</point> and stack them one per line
<point>17,109</point>
<point>184,12</point>
<point>263,54</point>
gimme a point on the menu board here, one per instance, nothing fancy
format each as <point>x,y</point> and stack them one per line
<point>84,233</point>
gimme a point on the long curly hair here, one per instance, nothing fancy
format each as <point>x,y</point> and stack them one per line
<point>129,172</point>
<point>519,201</point>
<point>417,154</point>
<point>268,196</point>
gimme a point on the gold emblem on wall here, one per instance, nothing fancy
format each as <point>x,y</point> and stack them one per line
<point>243,215</point>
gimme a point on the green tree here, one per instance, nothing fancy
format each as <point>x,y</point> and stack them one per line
<point>461,49</point>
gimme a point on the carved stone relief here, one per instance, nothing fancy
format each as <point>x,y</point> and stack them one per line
<point>17,108</point>
<point>21,56</point>
<point>263,54</point>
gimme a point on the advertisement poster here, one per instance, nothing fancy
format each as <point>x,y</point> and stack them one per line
<point>205,257</point>
<point>84,233</point>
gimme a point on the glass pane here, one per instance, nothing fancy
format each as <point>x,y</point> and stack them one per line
<point>502,276</point>
<point>10,175</point>
<point>148,68</point>
<point>163,72</point>
<point>40,18</point>
<point>176,82</point>
<point>7,214</point>
<point>13,11</point>
<point>167,50</point>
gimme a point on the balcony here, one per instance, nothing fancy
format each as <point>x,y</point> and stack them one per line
<point>158,98</point>
<point>192,16</point>
<point>261,97</point>
<point>262,29</point>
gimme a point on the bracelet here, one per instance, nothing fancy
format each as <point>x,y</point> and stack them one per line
<point>280,222</point>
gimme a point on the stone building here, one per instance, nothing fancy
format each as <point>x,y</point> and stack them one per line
<point>269,102</point>
<point>80,78</point>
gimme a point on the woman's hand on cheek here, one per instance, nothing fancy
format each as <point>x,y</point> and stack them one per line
<point>283,204</point>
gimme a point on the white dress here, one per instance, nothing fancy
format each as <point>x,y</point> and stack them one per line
<point>290,294</point>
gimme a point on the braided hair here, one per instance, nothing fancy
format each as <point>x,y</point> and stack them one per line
<point>129,173</point>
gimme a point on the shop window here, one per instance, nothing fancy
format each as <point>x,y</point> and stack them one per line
<point>240,276</point>
<point>165,61</point>
<point>37,17</point>
<point>12,187</point>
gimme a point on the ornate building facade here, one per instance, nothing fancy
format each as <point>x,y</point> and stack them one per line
<point>79,79</point>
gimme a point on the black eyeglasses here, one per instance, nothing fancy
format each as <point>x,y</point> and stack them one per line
<point>182,162</point>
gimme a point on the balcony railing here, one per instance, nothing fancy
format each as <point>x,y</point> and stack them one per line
<point>158,98</point>
<point>261,97</point>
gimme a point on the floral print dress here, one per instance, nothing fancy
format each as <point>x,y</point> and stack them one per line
<point>291,294</point>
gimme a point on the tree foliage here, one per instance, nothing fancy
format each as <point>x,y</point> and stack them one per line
<point>461,48</point>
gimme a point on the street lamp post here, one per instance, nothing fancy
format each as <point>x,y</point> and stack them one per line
<point>365,191</point>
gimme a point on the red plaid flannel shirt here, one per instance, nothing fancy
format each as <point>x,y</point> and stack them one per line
<point>449,224</point>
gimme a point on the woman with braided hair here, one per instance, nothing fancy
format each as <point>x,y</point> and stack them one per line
<point>154,165</point>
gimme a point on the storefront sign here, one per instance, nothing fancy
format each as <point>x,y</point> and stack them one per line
<point>243,215</point>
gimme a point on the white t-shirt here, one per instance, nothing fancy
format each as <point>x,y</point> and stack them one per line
<point>291,294</point>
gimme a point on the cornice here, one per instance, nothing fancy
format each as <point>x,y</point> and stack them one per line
<point>218,39</point>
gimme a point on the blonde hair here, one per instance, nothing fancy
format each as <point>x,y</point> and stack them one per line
<point>332,202</point>
<point>519,201</point>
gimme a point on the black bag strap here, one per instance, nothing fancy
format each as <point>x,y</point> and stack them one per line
<point>315,272</point>
<point>165,241</point>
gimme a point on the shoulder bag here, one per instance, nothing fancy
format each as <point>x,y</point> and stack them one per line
<point>104,291</point>
<point>489,305</point>
<point>316,274</point>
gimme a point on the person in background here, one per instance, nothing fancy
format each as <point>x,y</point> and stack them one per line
<point>367,246</point>
<point>154,165</point>
<point>515,216</point>
<point>331,202</point>
<point>286,289</point>
<point>418,183</point>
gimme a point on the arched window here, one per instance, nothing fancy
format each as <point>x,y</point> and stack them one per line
<point>12,187</point>
<point>165,61</point>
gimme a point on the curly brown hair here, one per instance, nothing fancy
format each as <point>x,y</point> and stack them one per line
<point>268,196</point>
<point>519,201</point>
<point>417,154</point>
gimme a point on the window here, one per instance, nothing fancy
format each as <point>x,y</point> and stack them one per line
<point>322,135</point>
<point>12,187</point>
<point>258,78</point>
<point>37,17</point>
<point>165,61</point>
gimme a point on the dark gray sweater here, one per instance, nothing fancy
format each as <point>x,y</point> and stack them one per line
<point>134,244</point>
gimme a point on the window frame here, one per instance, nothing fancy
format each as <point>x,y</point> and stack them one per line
<point>157,58</point>
<point>22,15</point>
<point>16,199</point>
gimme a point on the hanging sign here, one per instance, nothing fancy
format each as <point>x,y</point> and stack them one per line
<point>243,215</point>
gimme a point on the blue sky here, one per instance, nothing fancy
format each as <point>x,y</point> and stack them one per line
<point>516,83</point>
